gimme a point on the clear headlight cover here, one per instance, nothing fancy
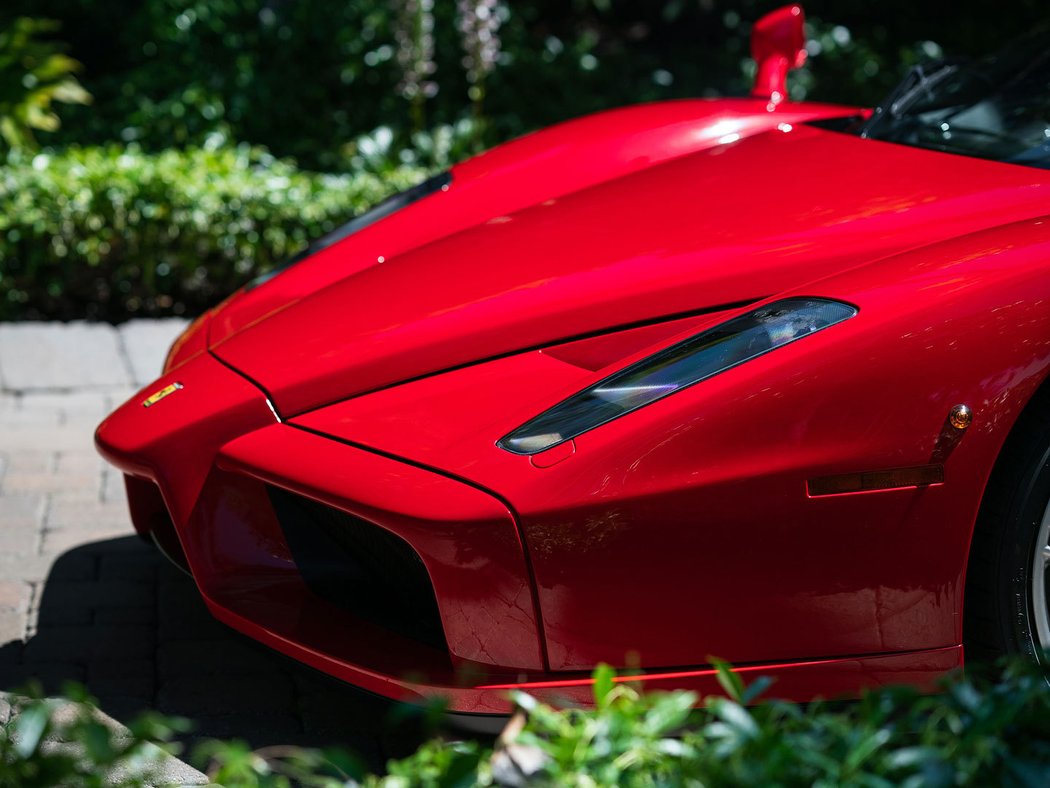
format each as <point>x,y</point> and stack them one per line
<point>695,359</point>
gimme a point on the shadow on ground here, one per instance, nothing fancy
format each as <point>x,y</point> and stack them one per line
<point>115,616</point>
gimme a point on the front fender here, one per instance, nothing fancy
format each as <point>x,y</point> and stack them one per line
<point>688,528</point>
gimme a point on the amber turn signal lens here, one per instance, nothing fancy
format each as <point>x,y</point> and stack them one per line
<point>960,417</point>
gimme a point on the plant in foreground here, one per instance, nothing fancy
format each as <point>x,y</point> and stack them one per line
<point>67,741</point>
<point>976,733</point>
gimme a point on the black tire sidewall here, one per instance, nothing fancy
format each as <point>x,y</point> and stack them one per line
<point>1017,552</point>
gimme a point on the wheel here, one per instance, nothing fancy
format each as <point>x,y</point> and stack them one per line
<point>1006,608</point>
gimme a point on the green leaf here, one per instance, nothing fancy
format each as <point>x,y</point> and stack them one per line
<point>97,740</point>
<point>35,75</point>
<point>756,688</point>
<point>865,748</point>
<point>524,701</point>
<point>730,682</point>
<point>603,677</point>
<point>669,712</point>
<point>28,728</point>
<point>737,717</point>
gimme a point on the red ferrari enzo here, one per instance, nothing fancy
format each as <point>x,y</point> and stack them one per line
<point>741,377</point>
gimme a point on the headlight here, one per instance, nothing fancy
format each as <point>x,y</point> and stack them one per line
<point>695,359</point>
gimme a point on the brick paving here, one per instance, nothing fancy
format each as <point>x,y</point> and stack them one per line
<point>82,598</point>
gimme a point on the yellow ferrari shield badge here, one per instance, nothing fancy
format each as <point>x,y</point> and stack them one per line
<point>157,396</point>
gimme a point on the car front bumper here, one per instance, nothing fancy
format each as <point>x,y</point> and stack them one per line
<point>202,465</point>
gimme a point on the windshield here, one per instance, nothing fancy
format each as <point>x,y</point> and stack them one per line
<point>996,108</point>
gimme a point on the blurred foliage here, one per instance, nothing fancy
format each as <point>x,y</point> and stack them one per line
<point>384,150</point>
<point>66,741</point>
<point>34,74</point>
<point>114,232</point>
<point>414,37</point>
<point>977,733</point>
<point>304,77</point>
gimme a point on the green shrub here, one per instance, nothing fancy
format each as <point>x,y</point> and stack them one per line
<point>111,232</point>
<point>976,733</point>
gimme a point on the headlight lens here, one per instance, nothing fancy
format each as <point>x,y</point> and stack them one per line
<point>695,359</point>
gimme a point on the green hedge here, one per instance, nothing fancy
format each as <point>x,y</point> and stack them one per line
<point>112,232</point>
<point>976,733</point>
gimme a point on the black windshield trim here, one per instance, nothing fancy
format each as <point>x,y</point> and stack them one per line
<point>376,213</point>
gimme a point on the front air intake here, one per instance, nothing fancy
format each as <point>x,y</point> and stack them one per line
<point>359,567</point>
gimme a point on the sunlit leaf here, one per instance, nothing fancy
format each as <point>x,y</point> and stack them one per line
<point>28,728</point>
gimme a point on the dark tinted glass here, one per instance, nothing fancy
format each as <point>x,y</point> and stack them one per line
<point>997,108</point>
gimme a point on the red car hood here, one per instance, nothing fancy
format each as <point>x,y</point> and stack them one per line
<point>721,226</point>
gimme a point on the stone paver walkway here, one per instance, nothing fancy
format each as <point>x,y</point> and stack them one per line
<point>82,598</point>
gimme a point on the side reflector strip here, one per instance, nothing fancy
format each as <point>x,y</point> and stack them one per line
<point>699,673</point>
<point>625,678</point>
<point>895,478</point>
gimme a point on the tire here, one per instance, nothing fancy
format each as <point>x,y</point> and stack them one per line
<point>1006,611</point>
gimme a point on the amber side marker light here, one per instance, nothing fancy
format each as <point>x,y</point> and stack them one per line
<point>960,417</point>
<point>892,479</point>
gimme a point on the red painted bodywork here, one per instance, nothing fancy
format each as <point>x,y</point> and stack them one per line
<point>697,232</point>
<point>681,530</point>
<point>778,44</point>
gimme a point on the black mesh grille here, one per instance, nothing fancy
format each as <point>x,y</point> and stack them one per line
<point>359,567</point>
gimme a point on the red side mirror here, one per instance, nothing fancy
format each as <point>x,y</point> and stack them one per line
<point>778,44</point>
